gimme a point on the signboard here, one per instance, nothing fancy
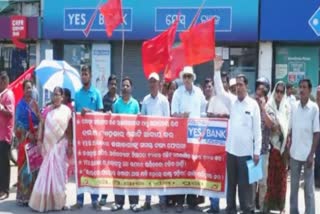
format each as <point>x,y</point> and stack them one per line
<point>295,63</point>
<point>101,66</point>
<point>144,19</point>
<point>133,155</point>
<point>291,20</point>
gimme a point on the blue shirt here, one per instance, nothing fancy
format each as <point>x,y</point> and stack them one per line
<point>90,99</point>
<point>131,107</point>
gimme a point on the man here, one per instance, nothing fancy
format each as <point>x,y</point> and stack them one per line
<point>304,140</point>
<point>110,98</point>
<point>233,86</point>
<point>290,96</point>
<point>7,104</point>
<point>126,105</point>
<point>188,102</point>
<point>208,89</point>
<point>261,96</point>
<point>87,99</point>
<point>317,160</point>
<point>155,104</point>
<point>244,141</point>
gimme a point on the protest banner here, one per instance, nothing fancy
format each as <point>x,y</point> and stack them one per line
<point>126,154</point>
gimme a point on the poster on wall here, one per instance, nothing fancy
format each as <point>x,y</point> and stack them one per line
<point>296,63</point>
<point>101,66</point>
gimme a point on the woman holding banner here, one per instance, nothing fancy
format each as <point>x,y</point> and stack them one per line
<point>49,190</point>
<point>279,109</point>
<point>27,120</point>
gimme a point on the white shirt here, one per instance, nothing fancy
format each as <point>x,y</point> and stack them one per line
<point>291,100</point>
<point>155,106</point>
<point>184,101</point>
<point>244,138</point>
<point>218,106</point>
<point>304,122</point>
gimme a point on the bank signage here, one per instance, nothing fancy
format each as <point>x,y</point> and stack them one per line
<point>144,19</point>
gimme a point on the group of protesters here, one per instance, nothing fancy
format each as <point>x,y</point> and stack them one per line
<point>273,128</point>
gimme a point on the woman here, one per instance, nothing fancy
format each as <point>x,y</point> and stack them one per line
<point>279,109</point>
<point>68,102</point>
<point>49,190</point>
<point>27,121</point>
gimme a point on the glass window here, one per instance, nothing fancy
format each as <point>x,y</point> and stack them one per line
<point>77,55</point>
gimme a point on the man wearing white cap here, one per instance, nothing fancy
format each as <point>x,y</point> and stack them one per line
<point>189,102</point>
<point>232,86</point>
<point>155,104</point>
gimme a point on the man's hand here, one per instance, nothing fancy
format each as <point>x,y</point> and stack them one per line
<point>289,143</point>
<point>218,62</point>
<point>256,159</point>
<point>186,114</point>
<point>84,111</point>
<point>310,161</point>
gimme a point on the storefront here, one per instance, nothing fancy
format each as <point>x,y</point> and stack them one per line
<point>15,60</point>
<point>71,38</point>
<point>295,37</point>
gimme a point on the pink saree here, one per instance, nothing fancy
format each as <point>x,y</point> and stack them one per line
<point>49,190</point>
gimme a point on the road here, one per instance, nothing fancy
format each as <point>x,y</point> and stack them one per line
<point>9,206</point>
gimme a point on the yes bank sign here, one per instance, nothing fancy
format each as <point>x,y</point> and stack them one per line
<point>144,19</point>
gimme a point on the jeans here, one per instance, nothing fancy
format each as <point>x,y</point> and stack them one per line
<point>214,204</point>
<point>80,198</point>
<point>162,199</point>
<point>295,170</point>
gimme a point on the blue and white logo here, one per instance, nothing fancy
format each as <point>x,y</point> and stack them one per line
<point>314,22</point>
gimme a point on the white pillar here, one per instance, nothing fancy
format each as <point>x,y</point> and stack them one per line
<point>265,60</point>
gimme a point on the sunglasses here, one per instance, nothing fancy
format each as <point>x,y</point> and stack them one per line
<point>187,76</point>
<point>279,92</point>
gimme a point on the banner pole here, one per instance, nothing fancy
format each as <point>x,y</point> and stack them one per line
<point>195,18</point>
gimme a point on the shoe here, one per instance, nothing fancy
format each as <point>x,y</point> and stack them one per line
<point>163,208</point>
<point>146,206</point>
<point>212,210</point>
<point>135,208</point>
<point>96,206</point>
<point>116,207</point>
<point>103,202</point>
<point>77,206</point>
<point>4,195</point>
<point>179,209</point>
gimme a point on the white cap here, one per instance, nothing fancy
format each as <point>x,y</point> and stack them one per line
<point>232,82</point>
<point>154,75</point>
<point>188,70</point>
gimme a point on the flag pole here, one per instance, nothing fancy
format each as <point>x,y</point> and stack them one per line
<point>195,18</point>
<point>122,54</point>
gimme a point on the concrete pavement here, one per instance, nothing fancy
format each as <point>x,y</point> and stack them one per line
<point>9,206</point>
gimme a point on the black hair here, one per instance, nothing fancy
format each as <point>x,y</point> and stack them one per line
<point>67,94</point>
<point>59,89</point>
<point>127,79</point>
<point>4,76</point>
<point>289,85</point>
<point>25,82</point>
<point>224,74</point>
<point>207,81</point>
<point>307,81</point>
<point>243,77</point>
<point>172,83</point>
<point>112,77</point>
<point>86,68</point>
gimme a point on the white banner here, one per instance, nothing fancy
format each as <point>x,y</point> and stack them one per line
<point>101,66</point>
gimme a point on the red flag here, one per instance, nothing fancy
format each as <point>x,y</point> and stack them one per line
<point>112,12</point>
<point>199,43</point>
<point>16,86</point>
<point>156,51</point>
<point>176,64</point>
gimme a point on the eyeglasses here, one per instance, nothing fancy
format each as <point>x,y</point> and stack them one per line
<point>187,76</point>
<point>279,92</point>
